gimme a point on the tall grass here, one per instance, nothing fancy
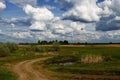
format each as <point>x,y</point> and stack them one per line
<point>91,58</point>
<point>7,49</point>
<point>5,74</point>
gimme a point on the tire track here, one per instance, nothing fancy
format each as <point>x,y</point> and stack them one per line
<point>26,72</point>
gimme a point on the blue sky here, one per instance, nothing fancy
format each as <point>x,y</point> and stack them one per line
<point>13,10</point>
<point>73,20</point>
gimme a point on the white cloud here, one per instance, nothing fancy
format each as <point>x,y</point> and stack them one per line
<point>111,6</point>
<point>39,16</point>
<point>86,10</point>
<point>117,18</point>
<point>77,26</point>
<point>112,11</point>
<point>38,26</point>
<point>12,25</point>
<point>22,3</point>
<point>21,35</point>
<point>50,7</point>
<point>2,6</point>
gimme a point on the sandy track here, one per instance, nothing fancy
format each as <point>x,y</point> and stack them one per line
<point>26,72</point>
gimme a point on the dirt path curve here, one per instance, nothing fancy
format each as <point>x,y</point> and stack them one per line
<point>26,72</point>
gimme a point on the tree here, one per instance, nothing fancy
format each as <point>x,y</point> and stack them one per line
<point>39,42</point>
<point>65,42</point>
<point>44,42</point>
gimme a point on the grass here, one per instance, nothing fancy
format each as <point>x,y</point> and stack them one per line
<point>91,58</point>
<point>5,74</point>
<point>87,60</point>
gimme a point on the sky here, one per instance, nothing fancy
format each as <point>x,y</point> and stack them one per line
<point>94,21</point>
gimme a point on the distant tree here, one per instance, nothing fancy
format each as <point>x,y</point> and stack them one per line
<point>39,42</point>
<point>44,42</point>
<point>86,43</point>
<point>51,42</point>
<point>110,42</point>
<point>61,42</point>
<point>56,40</point>
<point>65,42</point>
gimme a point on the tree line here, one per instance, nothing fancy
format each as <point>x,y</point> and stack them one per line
<point>45,42</point>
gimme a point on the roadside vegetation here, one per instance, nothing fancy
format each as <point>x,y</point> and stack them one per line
<point>11,53</point>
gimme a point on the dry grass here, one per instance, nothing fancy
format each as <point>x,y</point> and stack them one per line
<point>91,58</point>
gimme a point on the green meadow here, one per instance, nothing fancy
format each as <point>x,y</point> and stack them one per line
<point>87,61</point>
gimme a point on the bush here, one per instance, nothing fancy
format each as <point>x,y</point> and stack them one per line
<point>4,51</point>
<point>7,48</point>
<point>108,58</point>
<point>12,46</point>
<point>56,46</point>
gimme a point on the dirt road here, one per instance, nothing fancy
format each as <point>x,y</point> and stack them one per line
<point>26,72</point>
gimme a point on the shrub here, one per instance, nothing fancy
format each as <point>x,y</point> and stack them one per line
<point>90,58</point>
<point>108,58</point>
<point>35,48</point>
<point>7,48</point>
<point>4,51</point>
<point>56,46</point>
<point>12,46</point>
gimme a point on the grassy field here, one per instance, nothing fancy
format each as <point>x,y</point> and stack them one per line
<point>69,62</point>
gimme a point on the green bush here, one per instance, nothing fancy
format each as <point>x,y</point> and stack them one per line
<point>7,48</point>
<point>4,50</point>
<point>12,46</point>
<point>56,46</point>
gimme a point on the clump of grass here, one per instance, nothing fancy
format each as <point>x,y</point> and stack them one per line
<point>91,58</point>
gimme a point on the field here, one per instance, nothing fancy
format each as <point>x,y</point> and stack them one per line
<point>70,62</point>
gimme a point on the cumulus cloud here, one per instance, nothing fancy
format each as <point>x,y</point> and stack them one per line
<point>41,13</point>
<point>111,21</point>
<point>81,10</point>
<point>85,10</point>
<point>111,5</point>
<point>38,26</point>
<point>39,16</point>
